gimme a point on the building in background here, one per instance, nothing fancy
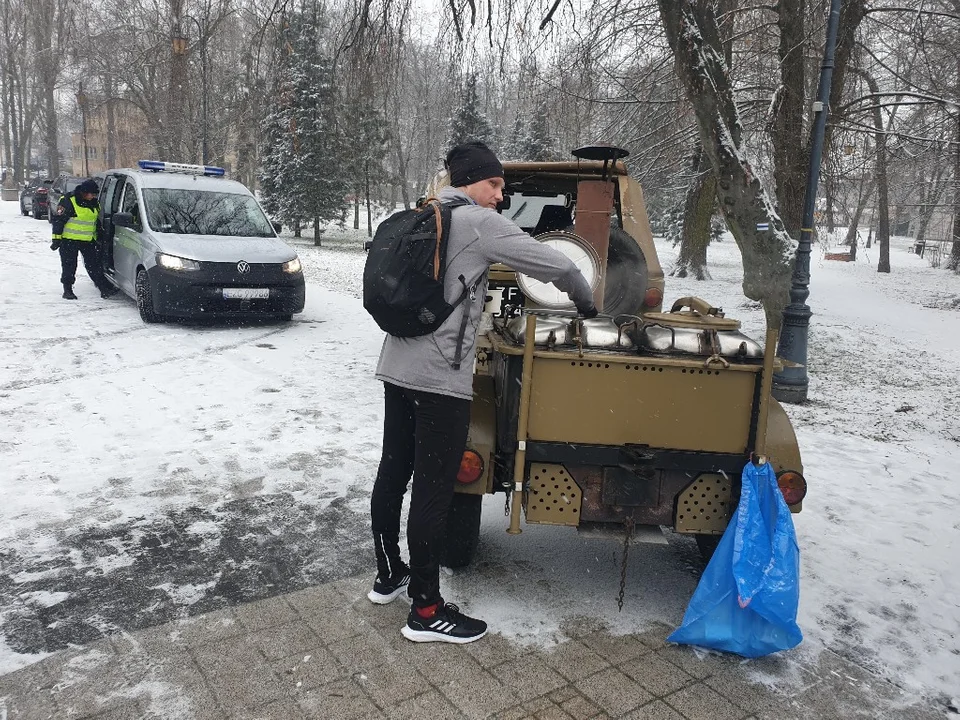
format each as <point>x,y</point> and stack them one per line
<point>130,142</point>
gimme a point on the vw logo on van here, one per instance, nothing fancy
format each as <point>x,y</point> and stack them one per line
<point>243,267</point>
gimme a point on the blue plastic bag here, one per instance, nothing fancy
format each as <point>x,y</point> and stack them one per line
<point>746,601</point>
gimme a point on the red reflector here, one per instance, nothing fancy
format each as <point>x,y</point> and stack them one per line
<point>792,486</point>
<point>471,467</point>
<point>653,297</point>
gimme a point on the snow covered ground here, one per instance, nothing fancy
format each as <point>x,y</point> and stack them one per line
<point>150,472</point>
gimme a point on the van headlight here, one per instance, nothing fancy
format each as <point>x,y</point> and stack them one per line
<point>292,266</point>
<point>172,262</point>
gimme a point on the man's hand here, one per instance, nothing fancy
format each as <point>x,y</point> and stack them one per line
<point>587,311</point>
<point>55,245</point>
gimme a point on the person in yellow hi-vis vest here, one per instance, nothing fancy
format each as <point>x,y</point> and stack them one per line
<point>74,231</point>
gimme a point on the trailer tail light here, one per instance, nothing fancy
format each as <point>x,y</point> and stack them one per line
<point>471,467</point>
<point>792,486</point>
<point>653,297</point>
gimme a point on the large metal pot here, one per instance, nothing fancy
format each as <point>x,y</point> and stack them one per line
<point>699,330</point>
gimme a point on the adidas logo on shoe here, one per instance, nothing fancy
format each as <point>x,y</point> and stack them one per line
<point>386,591</point>
<point>447,624</point>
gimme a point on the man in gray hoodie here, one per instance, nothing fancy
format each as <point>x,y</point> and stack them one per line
<point>427,394</point>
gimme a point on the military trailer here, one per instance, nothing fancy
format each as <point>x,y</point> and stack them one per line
<point>636,419</point>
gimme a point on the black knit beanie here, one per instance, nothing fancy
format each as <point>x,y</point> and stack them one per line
<point>472,162</point>
<point>87,186</point>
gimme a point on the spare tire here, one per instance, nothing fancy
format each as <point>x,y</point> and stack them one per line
<point>626,279</point>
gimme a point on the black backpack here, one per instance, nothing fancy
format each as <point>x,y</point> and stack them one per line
<point>403,274</point>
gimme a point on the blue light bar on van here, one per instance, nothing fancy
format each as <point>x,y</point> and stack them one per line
<point>160,166</point>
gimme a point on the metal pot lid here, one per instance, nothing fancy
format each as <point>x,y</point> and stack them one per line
<point>583,256</point>
<point>699,315</point>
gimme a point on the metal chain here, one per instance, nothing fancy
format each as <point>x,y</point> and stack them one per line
<point>623,565</point>
<point>506,504</point>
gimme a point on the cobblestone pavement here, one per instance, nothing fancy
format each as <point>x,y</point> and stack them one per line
<point>326,652</point>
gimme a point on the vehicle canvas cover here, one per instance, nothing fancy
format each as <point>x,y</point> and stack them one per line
<point>404,271</point>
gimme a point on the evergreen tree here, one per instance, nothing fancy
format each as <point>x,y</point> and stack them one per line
<point>366,145</point>
<point>514,146</point>
<point>468,123</point>
<point>538,143</point>
<point>302,176</point>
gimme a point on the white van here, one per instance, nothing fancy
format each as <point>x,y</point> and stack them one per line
<point>183,241</point>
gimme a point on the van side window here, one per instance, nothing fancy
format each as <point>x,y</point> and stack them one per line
<point>111,195</point>
<point>129,204</point>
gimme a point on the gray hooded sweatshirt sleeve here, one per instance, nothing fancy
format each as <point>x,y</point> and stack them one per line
<point>478,238</point>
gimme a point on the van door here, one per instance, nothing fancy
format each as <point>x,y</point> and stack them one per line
<point>126,242</point>
<point>109,202</point>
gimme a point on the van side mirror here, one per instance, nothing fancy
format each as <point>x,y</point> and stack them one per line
<point>123,219</point>
<point>277,227</point>
<point>504,204</point>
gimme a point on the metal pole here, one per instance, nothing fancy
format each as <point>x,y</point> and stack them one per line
<point>790,384</point>
<point>519,460</point>
<point>203,89</point>
<point>203,86</point>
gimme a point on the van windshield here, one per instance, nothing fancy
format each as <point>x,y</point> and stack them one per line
<point>192,212</point>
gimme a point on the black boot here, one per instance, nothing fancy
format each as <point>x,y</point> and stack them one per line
<point>68,292</point>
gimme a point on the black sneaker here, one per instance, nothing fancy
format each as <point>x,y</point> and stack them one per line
<point>386,591</point>
<point>448,624</point>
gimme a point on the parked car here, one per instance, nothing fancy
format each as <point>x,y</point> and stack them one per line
<point>33,197</point>
<point>60,187</point>
<point>183,241</point>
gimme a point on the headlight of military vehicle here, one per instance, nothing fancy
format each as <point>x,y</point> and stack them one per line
<point>172,262</point>
<point>293,266</point>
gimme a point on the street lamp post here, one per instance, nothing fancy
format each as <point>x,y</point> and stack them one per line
<point>203,87</point>
<point>791,383</point>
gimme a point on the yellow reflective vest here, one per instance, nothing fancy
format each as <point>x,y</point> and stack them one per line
<point>82,226</point>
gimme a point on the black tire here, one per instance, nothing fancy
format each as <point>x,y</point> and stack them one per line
<point>286,318</point>
<point>23,210</point>
<point>145,299</point>
<point>707,545</point>
<point>36,212</point>
<point>626,278</point>
<point>626,281</point>
<point>463,530</point>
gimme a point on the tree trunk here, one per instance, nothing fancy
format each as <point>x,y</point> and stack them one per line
<point>178,85</point>
<point>768,252</point>
<point>931,190</point>
<point>402,164</point>
<point>883,190</point>
<point>296,229</point>
<point>954,262</point>
<point>111,158</point>
<point>852,13</point>
<point>790,155</point>
<point>316,231</point>
<point>698,210</point>
<point>862,199</point>
<point>366,182</point>
<point>356,209</point>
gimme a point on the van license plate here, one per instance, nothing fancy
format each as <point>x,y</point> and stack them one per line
<point>246,293</point>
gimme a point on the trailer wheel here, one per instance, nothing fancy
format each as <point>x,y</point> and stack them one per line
<point>463,530</point>
<point>707,545</point>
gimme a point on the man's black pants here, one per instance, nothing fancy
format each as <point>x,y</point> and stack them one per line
<point>91,261</point>
<point>423,436</point>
